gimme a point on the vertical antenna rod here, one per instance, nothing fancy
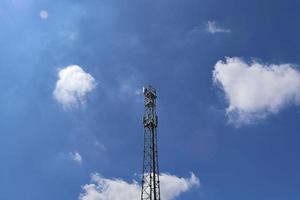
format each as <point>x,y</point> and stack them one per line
<point>150,180</point>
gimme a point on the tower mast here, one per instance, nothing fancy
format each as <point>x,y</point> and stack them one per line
<point>150,179</point>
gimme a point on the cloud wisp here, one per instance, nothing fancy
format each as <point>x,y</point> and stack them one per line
<point>254,90</point>
<point>73,86</point>
<point>212,28</point>
<point>115,189</point>
<point>76,157</point>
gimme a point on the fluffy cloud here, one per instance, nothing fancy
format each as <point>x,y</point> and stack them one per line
<point>76,157</point>
<point>255,90</point>
<point>115,189</point>
<point>172,186</point>
<point>72,86</point>
<point>213,28</point>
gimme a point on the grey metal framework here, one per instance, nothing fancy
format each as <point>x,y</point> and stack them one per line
<point>150,179</point>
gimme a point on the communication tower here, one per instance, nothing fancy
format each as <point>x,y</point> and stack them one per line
<point>150,179</point>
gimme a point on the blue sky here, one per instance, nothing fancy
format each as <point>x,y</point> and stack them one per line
<point>228,82</point>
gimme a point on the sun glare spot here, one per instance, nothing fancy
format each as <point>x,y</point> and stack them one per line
<point>44,14</point>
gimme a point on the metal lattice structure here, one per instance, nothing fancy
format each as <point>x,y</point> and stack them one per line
<point>150,179</point>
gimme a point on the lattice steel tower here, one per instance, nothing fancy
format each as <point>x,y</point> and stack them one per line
<point>150,180</point>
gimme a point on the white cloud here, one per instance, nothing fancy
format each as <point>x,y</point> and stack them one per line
<point>213,28</point>
<point>255,90</point>
<point>44,14</point>
<point>115,189</point>
<point>76,157</point>
<point>100,145</point>
<point>72,86</point>
<point>172,186</point>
